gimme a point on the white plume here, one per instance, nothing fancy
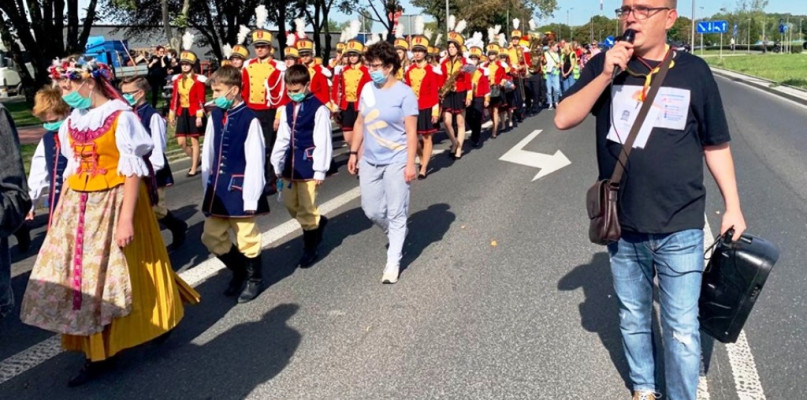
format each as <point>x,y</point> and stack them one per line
<point>428,33</point>
<point>419,25</point>
<point>291,39</point>
<point>502,40</point>
<point>343,36</point>
<point>399,31</point>
<point>226,51</point>
<point>491,34</point>
<point>497,29</point>
<point>354,29</point>
<point>261,16</point>
<point>243,31</point>
<point>437,41</point>
<point>187,41</point>
<point>476,40</point>
<point>531,23</point>
<point>460,26</point>
<point>516,23</point>
<point>452,21</point>
<point>299,24</point>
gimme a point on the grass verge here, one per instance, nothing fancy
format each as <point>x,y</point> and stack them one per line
<point>784,69</point>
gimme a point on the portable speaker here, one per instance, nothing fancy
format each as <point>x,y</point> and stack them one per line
<point>732,281</point>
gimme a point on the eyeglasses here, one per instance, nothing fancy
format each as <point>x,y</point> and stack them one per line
<point>639,12</point>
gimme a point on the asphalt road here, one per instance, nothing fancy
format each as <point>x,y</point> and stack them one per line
<point>502,296</point>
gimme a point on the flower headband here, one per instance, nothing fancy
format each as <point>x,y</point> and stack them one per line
<point>78,69</point>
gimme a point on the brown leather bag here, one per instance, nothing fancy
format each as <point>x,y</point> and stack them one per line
<point>602,199</point>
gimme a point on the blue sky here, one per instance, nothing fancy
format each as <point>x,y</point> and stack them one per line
<point>582,10</point>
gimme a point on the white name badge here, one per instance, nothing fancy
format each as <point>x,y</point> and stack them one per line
<point>669,111</point>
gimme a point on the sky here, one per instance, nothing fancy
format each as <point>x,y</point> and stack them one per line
<point>580,11</point>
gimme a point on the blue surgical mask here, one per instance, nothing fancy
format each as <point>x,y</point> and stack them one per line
<point>130,99</point>
<point>77,101</point>
<point>53,126</point>
<point>223,102</point>
<point>378,77</point>
<point>297,97</point>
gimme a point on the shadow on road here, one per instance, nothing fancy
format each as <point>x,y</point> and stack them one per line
<point>425,227</point>
<point>599,313</point>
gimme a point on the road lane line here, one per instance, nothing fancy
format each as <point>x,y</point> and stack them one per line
<point>51,347</point>
<point>743,367</point>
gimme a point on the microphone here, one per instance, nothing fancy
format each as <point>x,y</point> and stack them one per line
<point>629,36</point>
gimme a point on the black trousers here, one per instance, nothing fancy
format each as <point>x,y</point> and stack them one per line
<point>267,120</point>
<point>156,90</point>
<point>535,92</point>
<point>473,115</point>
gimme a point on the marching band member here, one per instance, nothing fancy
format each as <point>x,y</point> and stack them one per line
<point>347,90</point>
<point>187,109</point>
<point>455,87</point>
<point>424,80</point>
<point>262,88</point>
<point>478,98</point>
<point>497,72</point>
<point>319,76</point>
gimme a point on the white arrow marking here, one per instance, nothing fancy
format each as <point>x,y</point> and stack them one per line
<point>547,163</point>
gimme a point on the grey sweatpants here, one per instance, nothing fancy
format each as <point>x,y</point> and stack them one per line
<point>385,200</point>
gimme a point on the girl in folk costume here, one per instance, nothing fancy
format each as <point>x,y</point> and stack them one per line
<point>455,87</point>
<point>187,104</point>
<point>497,72</point>
<point>478,98</point>
<point>103,278</point>
<point>424,79</point>
<point>351,80</point>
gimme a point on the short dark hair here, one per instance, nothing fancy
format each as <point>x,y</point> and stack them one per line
<point>139,81</point>
<point>385,52</point>
<point>297,74</point>
<point>227,76</point>
<point>159,47</point>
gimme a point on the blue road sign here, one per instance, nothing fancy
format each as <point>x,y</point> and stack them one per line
<point>713,27</point>
<point>736,29</point>
<point>782,28</point>
<point>610,41</point>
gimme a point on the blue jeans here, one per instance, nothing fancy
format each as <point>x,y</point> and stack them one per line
<point>552,89</point>
<point>6,294</point>
<point>677,259</point>
<point>568,83</point>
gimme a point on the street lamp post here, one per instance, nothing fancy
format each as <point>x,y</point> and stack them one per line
<point>692,38</point>
<point>447,17</point>
<point>749,36</point>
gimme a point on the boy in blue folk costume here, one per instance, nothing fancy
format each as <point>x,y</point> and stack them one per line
<point>134,90</point>
<point>302,156</point>
<point>233,159</point>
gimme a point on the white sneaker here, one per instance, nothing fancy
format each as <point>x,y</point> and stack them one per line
<point>390,274</point>
<point>550,107</point>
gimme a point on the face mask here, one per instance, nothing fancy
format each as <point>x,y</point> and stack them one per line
<point>378,77</point>
<point>223,102</point>
<point>130,99</point>
<point>297,97</point>
<point>473,61</point>
<point>77,101</point>
<point>52,126</point>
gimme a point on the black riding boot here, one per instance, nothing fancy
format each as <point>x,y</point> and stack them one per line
<point>254,269</point>
<point>178,229</point>
<point>309,248</point>
<point>90,371</point>
<point>236,262</point>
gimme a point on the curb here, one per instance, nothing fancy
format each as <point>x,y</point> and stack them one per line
<point>769,89</point>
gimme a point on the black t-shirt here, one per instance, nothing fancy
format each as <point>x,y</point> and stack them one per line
<point>662,190</point>
<point>156,70</point>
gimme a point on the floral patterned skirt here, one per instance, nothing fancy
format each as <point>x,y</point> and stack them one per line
<point>103,298</point>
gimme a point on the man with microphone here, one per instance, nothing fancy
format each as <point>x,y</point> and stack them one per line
<point>661,194</point>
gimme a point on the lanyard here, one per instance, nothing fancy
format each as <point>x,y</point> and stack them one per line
<point>648,78</point>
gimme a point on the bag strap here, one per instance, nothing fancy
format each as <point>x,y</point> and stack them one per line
<point>619,169</point>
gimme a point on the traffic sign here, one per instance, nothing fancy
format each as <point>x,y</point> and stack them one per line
<point>610,41</point>
<point>782,28</point>
<point>713,27</point>
<point>736,29</point>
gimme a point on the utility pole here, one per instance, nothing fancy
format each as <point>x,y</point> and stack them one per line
<point>749,36</point>
<point>447,12</point>
<point>567,23</point>
<point>692,37</point>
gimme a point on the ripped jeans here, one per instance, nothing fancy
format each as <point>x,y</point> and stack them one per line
<point>677,260</point>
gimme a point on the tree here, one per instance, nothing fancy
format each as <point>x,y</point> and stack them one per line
<point>317,13</point>
<point>480,14</point>
<point>39,26</point>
